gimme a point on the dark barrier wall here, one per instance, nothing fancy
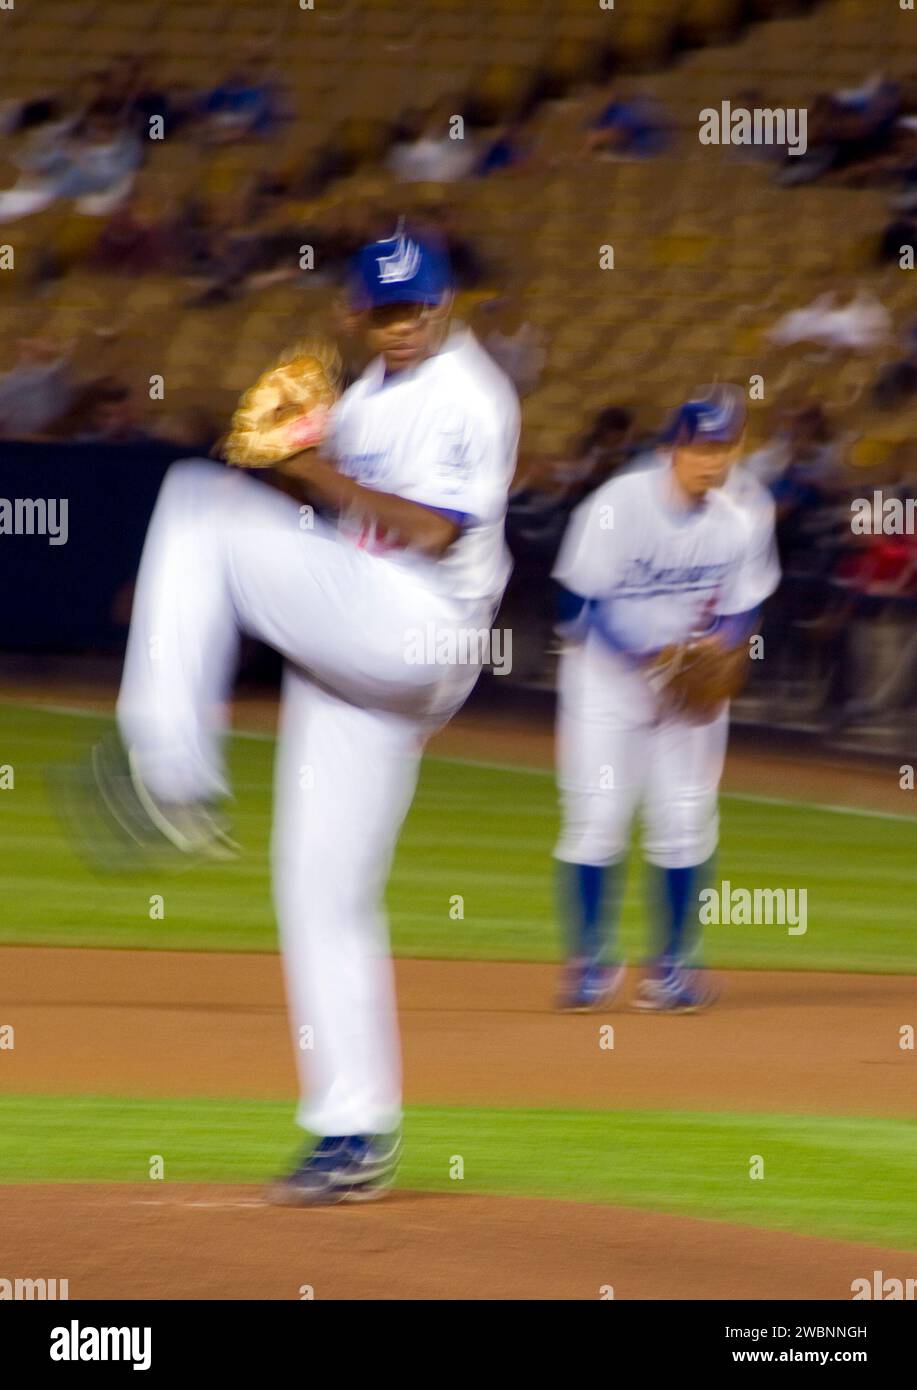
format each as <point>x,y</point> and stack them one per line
<point>76,595</point>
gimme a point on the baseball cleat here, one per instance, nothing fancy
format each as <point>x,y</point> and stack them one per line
<point>340,1168</point>
<point>586,987</point>
<point>115,823</point>
<point>676,991</point>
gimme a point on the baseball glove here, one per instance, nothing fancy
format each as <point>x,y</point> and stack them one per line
<point>694,678</point>
<point>287,410</point>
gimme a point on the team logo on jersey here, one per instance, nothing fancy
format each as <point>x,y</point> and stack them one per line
<point>366,467</point>
<point>452,462</point>
<point>402,264</point>
<point>644,577</point>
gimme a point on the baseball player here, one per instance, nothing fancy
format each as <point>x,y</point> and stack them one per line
<point>414,474</point>
<point>662,573</point>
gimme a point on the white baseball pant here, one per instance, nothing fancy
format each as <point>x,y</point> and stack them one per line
<point>616,755</point>
<point>226,554</point>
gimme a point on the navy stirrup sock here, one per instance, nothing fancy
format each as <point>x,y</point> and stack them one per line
<point>679,891</point>
<point>678,910</point>
<point>585,888</point>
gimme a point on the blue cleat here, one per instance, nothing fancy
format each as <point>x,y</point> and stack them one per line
<point>673,989</point>
<point>340,1168</point>
<point>586,987</point>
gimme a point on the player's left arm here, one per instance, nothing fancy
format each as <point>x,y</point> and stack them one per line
<point>458,454</point>
<point>428,529</point>
<point>754,577</point>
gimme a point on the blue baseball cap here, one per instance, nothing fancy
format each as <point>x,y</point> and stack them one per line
<point>403,269</point>
<point>717,415</point>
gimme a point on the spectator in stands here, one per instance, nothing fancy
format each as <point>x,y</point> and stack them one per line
<point>635,127</point>
<point>134,241</point>
<point>99,157</point>
<point>246,103</point>
<point>191,232</point>
<point>132,86</point>
<point>905,200</point>
<point>750,99</point>
<point>801,465</point>
<point>846,128</point>
<point>105,154</point>
<point>37,390</point>
<point>112,418</point>
<point>510,146</point>
<point>875,582</point>
<point>899,236</point>
<point>882,565</point>
<point>440,220</point>
<point>425,150</point>
<point>802,443</point>
<point>249,241</point>
<point>44,120</point>
<point>607,447</point>
<point>540,508</point>
<point>520,352</point>
<point>332,160</point>
<point>19,117</point>
<point>896,382</point>
<point>860,325</point>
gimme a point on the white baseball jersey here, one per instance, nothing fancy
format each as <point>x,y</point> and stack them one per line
<point>660,572</point>
<point>443,434</point>
<point>657,573</point>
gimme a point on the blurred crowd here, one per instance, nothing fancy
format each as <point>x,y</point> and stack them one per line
<point>89,141</point>
<point>84,151</point>
<point>42,398</point>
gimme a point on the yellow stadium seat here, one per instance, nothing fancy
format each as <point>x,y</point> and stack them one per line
<point>871,452</point>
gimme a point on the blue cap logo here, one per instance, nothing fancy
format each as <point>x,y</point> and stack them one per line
<point>402,269</point>
<point>400,264</point>
<point>716,415</point>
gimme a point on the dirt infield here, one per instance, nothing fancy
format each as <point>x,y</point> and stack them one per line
<point>186,1023</point>
<point>161,1023</point>
<point>194,1241</point>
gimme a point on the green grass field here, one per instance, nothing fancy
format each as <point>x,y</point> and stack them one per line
<point>846,1178</point>
<point>483,832</point>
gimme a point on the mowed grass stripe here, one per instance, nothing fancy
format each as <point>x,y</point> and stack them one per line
<point>850,1179</point>
<point>477,833</point>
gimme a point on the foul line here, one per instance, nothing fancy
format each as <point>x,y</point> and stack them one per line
<point>750,797</point>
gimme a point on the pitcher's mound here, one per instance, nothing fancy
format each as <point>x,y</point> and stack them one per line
<point>205,1241</point>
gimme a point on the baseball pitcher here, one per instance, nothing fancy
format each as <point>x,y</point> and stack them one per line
<point>411,476</point>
